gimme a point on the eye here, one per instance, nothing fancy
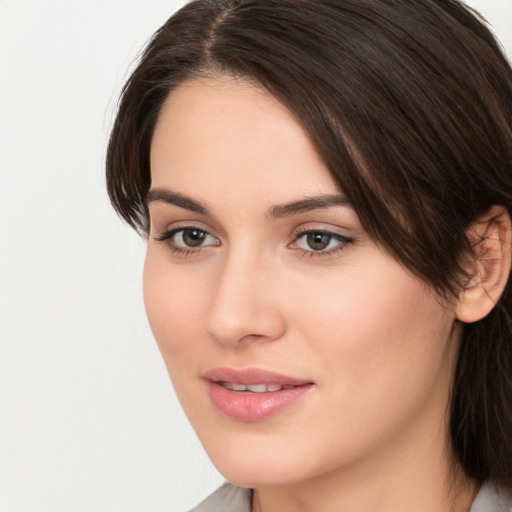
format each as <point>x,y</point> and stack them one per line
<point>320,242</point>
<point>187,239</point>
<point>191,237</point>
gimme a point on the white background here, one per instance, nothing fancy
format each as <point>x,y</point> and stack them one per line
<point>88,420</point>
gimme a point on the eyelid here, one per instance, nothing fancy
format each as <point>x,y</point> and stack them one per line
<point>177,226</point>
<point>170,233</point>
<point>317,227</point>
<point>167,234</point>
<point>344,240</point>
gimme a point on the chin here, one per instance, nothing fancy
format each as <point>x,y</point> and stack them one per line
<point>256,476</point>
<point>260,465</point>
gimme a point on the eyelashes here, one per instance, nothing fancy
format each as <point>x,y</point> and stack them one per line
<point>193,240</point>
<point>319,242</point>
<point>187,240</point>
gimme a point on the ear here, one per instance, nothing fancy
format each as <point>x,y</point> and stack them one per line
<point>489,267</point>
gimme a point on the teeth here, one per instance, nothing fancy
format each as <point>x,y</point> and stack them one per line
<point>255,388</point>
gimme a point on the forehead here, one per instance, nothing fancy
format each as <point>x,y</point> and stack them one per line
<point>231,138</point>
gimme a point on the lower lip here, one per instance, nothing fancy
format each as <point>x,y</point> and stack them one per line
<point>247,406</point>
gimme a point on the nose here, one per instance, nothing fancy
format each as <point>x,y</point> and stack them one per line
<point>244,306</point>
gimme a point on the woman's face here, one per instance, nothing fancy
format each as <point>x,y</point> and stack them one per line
<point>297,347</point>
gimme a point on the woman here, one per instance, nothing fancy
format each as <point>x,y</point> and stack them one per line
<point>326,188</point>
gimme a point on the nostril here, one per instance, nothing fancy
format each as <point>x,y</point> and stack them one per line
<point>254,324</point>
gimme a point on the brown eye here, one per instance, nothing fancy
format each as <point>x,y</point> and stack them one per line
<point>318,241</point>
<point>193,237</point>
<point>321,242</point>
<point>187,239</point>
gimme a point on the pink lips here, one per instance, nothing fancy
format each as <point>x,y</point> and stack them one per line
<point>246,405</point>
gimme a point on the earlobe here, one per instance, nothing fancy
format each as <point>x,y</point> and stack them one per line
<point>489,270</point>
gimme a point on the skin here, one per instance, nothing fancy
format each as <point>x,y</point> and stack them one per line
<point>375,340</point>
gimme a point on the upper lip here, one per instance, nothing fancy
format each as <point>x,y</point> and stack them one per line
<point>252,376</point>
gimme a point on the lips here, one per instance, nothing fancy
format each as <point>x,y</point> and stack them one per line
<point>253,394</point>
<point>255,388</point>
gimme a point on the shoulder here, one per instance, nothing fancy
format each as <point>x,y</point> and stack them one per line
<point>227,498</point>
<point>230,498</point>
<point>492,499</point>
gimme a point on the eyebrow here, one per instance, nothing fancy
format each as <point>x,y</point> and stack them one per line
<point>275,212</point>
<point>167,196</point>
<point>308,204</point>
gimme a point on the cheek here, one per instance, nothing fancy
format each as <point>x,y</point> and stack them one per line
<point>370,328</point>
<point>371,308</point>
<point>175,305</point>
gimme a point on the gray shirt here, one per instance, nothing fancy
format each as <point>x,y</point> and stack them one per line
<point>230,498</point>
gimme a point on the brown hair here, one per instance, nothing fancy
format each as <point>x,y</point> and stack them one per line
<point>408,102</point>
